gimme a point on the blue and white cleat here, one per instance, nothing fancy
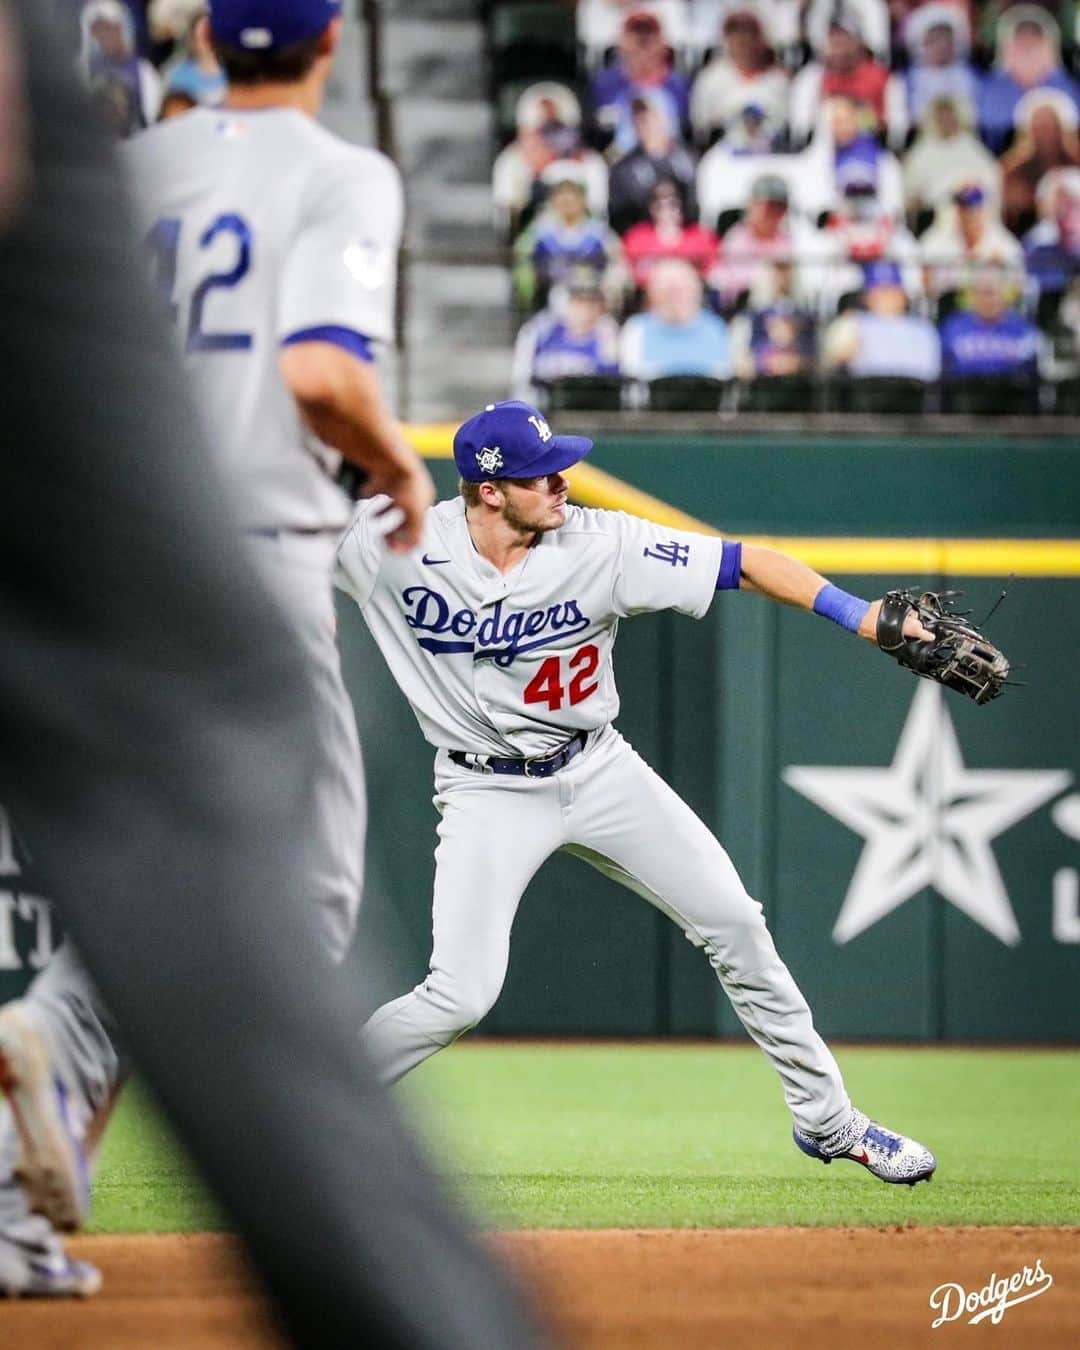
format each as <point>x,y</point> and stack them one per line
<point>51,1165</point>
<point>888,1156</point>
<point>37,1276</point>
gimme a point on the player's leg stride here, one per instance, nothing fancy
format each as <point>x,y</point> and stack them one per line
<point>45,1170</point>
<point>51,1166</point>
<point>888,1156</point>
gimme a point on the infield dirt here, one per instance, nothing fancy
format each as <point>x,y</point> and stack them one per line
<point>766,1288</point>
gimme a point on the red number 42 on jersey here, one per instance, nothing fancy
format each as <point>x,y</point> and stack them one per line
<point>548,685</point>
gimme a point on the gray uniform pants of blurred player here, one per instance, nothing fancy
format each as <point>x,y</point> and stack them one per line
<point>62,1001</point>
<point>155,749</point>
<point>609,808</point>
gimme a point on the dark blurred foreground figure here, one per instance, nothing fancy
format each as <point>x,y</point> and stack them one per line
<point>154,745</point>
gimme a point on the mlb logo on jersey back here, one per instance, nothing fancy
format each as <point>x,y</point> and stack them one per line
<point>368,262</point>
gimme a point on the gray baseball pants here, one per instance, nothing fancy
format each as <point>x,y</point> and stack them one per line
<point>610,809</point>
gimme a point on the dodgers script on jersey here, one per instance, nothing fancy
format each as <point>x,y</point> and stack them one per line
<point>263,225</point>
<point>515,664</point>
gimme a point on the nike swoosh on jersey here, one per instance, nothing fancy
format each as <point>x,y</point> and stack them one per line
<point>433,562</point>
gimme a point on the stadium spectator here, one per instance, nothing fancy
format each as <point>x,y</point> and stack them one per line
<point>903,12</point>
<point>1052,247</point>
<point>987,337</point>
<point>562,237</point>
<point>872,16</point>
<point>124,84</point>
<point>675,334</point>
<point>574,336</point>
<point>938,42</point>
<point>753,133</point>
<point>777,338</point>
<point>744,75</point>
<point>1028,57</point>
<point>882,338</point>
<point>68,17</point>
<point>965,237</point>
<point>599,23</point>
<point>657,155</point>
<point>844,68</point>
<point>844,144</point>
<point>194,78</point>
<point>170,22</point>
<point>766,234</point>
<point>667,234</point>
<point>863,232</point>
<point>643,66</point>
<point>548,118</point>
<point>1046,121</point>
<point>945,153</point>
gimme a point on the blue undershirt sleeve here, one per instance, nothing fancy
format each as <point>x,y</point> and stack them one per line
<point>347,338</point>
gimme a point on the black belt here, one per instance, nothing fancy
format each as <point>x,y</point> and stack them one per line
<point>540,766</point>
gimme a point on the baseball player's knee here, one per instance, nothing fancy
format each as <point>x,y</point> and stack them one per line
<point>739,937</point>
<point>461,1003</point>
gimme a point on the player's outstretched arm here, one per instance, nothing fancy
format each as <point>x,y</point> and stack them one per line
<point>340,399</point>
<point>783,578</point>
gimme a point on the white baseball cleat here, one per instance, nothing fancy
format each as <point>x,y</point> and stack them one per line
<point>888,1156</point>
<point>51,1166</point>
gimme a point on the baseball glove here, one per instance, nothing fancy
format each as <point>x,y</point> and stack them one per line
<point>959,655</point>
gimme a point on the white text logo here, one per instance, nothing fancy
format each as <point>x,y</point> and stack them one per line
<point>951,1301</point>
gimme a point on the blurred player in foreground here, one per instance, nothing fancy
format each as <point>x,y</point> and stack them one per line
<point>500,630</point>
<point>164,723</point>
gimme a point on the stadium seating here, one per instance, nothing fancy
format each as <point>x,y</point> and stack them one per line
<point>686,393</point>
<point>585,393</point>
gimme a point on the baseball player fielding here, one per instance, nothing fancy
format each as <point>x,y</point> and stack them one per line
<point>499,629</point>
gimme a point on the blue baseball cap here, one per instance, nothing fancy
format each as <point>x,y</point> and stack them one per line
<point>882,273</point>
<point>513,440</point>
<point>261,25</point>
<point>971,194</point>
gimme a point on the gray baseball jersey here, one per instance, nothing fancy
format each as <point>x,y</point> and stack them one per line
<point>515,664</point>
<point>265,226</point>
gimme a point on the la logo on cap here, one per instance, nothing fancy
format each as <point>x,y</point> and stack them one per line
<point>542,428</point>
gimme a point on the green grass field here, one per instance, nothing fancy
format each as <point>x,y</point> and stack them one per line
<point>651,1136</point>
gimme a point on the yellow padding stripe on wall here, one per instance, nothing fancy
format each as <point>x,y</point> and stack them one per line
<point>953,557</point>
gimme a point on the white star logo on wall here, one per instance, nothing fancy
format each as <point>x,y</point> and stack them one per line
<point>927,821</point>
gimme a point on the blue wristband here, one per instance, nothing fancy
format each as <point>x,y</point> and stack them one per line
<point>730,566</point>
<point>846,610</point>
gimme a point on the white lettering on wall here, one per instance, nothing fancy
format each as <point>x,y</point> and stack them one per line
<point>1066,924</point>
<point>9,864</point>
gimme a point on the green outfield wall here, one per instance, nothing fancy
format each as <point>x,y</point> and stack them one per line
<point>918,857</point>
<point>957,903</point>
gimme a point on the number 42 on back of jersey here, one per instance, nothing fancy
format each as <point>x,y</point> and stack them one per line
<point>164,243</point>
